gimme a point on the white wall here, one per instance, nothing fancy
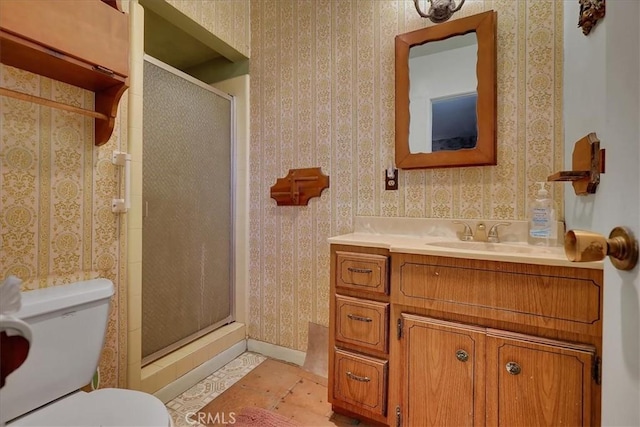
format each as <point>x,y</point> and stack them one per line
<point>441,74</point>
<point>602,95</point>
<point>584,109</point>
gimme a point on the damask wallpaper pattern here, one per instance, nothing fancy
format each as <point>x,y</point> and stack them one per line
<point>227,19</point>
<point>56,187</point>
<point>322,94</point>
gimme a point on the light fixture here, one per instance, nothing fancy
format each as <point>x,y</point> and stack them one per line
<point>439,10</point>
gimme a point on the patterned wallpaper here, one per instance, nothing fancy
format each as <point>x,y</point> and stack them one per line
<point>227,19</point>
<point>56,187</point>
<point>322,94</point>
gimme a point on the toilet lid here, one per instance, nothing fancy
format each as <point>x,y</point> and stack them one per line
<point>106,407</point>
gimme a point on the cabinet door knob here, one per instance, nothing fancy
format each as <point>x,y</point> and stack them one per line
<point>462,355</point>
<point>513,368</point>
<point>357,377</point>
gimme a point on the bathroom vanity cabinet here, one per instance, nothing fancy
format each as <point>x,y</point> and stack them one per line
<point>457,341</point>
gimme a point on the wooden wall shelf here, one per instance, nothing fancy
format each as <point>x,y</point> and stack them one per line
<point>587,163</point>
<point>82,43</point>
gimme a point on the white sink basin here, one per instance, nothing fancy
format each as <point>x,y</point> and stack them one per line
<point>495,247</point>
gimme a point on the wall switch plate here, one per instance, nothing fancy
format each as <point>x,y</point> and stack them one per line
<point>391,179</point>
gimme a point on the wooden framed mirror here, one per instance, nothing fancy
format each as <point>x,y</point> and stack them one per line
<point>446,94</point>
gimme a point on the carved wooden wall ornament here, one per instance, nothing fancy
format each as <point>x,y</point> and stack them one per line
<point>590,12</point>
<point>299,186</point>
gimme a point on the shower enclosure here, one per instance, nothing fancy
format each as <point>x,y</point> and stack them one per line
<point>187,257</point>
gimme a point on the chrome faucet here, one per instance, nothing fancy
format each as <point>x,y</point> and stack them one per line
<point>481,234</point>
<point>467,234</point>
<point>493,232</point>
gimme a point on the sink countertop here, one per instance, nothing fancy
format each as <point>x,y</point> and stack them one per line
<point>414,236</point>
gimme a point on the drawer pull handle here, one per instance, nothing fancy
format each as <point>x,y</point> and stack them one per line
<point>358,378</point>
<point>513,368</point>
<point>360,318</point>
<point>360,270</point>
<point>462,355</point>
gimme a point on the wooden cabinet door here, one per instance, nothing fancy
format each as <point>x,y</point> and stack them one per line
<point>89,31</point>
<point>442,378</point>
<point>535,381</point>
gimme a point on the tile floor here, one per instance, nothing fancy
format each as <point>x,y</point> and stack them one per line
<point>280,387</point>
<point>211,387</point>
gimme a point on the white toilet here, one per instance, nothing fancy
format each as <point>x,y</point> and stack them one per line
<point>68,325</point>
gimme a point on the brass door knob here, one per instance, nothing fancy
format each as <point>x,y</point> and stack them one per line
<point>586,246</point>
<point>513,368</point>
<point>462,355</point>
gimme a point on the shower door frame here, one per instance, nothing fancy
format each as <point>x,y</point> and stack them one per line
<point>232,202</point>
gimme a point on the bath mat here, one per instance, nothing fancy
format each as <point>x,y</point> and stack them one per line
<point>263,387</point>
<point>259,417</point>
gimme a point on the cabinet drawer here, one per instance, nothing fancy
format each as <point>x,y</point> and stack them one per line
<point>361,381</point>
<point>363,272</point>
<point>362,323</point>
<point>527,293</point>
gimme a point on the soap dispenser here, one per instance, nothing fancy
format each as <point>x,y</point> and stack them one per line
<point>542,223</point>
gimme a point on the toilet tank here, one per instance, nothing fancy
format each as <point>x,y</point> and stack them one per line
<point>68,325</point>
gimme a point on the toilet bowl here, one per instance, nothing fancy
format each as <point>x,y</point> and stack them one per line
<point>68,325</point>
<point>105,407</point>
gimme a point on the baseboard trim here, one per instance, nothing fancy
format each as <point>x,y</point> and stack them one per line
<point>201,372</point>
<point>276,351</point>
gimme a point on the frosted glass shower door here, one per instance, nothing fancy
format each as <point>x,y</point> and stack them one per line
<point>187,283</point>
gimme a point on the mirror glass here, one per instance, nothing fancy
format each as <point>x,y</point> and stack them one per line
<point>446,94</point>
<point>442,94</point>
